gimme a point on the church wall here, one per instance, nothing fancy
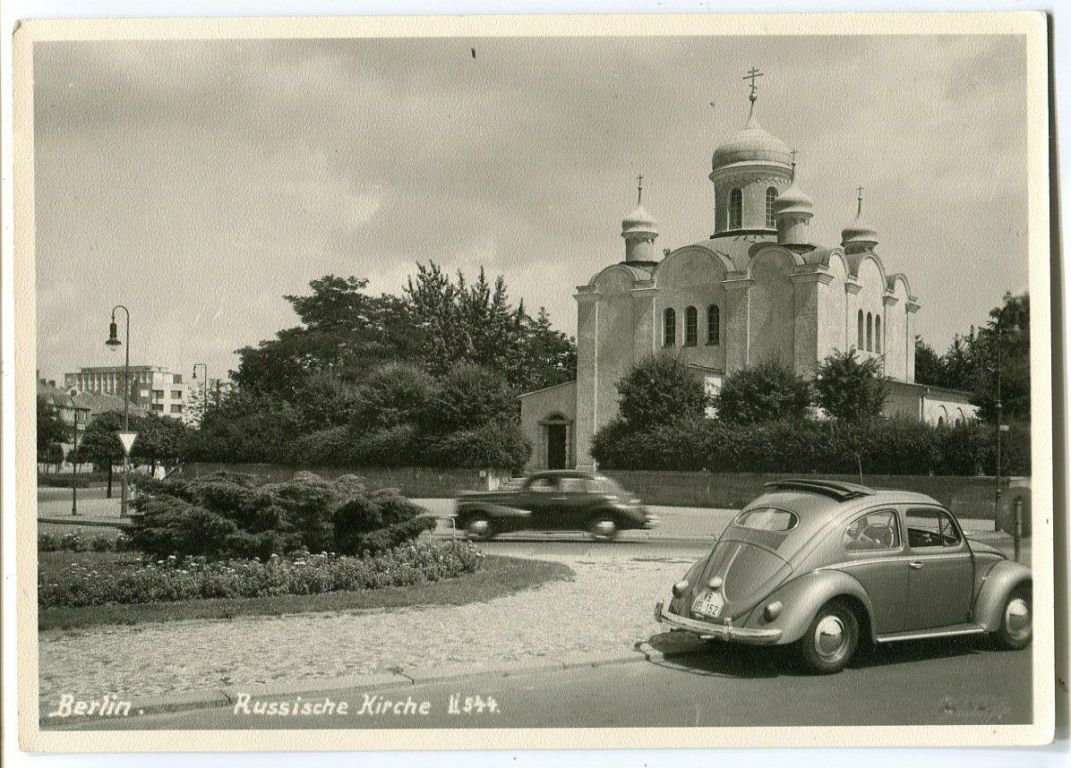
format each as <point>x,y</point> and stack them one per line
<point>896,338</point>
<point>586,374</point>
<point>753,194</point>
<point>616,341</point>
<point>771,318</point>
<point>832,311</point>
<point>693,278</point>
<point>537,407</point>
<point>871,301</point>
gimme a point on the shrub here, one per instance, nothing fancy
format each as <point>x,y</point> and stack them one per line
<point>324,448</point>
<point>660,389</point>
<point>101,543</point>
<point>848,388</point>
<point>879,446</point>
<point>377,522</point>
<point>226,515</point>
<point>393,395</point>
<point>172,578</point>
<point>389,447</point>
<point>47,542</point>
<point>764,392</point>
<point>498,446</point>
<point>73,542</point>
<point>468,396</point>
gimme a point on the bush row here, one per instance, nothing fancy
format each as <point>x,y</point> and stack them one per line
<point>879,446</point>
<point>70,480</point>
<point>494,445</point>
<point>229,515</point>
<point>174,579</point>
<point>75,542</point>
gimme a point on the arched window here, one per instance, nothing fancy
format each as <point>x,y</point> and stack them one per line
<point>859,342</point>
<point>771,195</point>
<point>877,334</point>
<point>691,327</point>
<point>736,209</point>
<point>869,332</point>
<point>713,325</point>
<point>669,328</point>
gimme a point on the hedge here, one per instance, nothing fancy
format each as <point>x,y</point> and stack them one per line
<point>880,446</point>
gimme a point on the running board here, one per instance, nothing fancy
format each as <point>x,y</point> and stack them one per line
<point>919,634</point>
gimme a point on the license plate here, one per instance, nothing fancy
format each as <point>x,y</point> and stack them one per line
<point>708,604</point>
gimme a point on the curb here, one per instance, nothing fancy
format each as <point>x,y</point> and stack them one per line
<point>225,697</point>
<point>88,522</point>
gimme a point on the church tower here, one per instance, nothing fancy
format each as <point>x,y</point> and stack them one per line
<point>749,171</point>
<point>859,236</point>
<point>640,231</point>
<point>793,210</point>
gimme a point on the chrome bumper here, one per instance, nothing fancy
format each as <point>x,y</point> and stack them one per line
<point>724,632</point>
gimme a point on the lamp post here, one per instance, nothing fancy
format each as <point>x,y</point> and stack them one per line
<point>204,398</point>
<point>113,344</point>
<point>74,452</point>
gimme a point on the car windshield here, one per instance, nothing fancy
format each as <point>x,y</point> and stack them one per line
<point>767,519</point>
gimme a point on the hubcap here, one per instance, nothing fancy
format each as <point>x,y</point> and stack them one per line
<point>1017,618</point>
<point>603,529</point>
<point>830,638</point>
<point>479,527</point>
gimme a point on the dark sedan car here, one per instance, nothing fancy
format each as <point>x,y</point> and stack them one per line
<point>552,501</point>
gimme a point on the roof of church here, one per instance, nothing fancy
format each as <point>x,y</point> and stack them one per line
<point>639,221</point>
<point>754,143</point>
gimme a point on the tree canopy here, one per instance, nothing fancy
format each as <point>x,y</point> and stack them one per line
<point>849,388</point>
<point>767,391</point>
<point>660,389</point>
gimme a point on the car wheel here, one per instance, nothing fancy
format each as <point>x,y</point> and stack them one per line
<point>479,526</point>
<point>1016,622</point>
<point>830,641</point>
<point>603,527</point>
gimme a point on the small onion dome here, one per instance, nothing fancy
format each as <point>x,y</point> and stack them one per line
<point>753,144</point>
<point>793,201</point>
<point>639,222</point>
<point>859,233</point>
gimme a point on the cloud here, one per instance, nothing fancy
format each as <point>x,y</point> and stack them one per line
<point>200,181</point>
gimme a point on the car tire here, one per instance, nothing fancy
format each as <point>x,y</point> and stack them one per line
<point>831,639</point>
<point>1016,620</point>
<point>479,526</point>
<point>603,527</point>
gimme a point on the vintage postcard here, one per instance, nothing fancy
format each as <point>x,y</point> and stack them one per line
<point>533,382</point>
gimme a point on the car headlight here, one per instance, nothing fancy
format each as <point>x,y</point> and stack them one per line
<point>680,587</point>
<point>773,610</point>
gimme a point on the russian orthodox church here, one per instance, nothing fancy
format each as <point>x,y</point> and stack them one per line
<point>758,289</point>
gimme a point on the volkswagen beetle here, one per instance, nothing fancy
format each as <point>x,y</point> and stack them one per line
<point>826,566</point>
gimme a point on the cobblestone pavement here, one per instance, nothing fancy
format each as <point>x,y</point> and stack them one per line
<point>606,607</point>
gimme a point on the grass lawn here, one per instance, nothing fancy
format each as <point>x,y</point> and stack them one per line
<point>498,576</point>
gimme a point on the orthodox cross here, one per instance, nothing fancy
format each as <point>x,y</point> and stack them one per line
<point>793,164</point>
<point>859,209</point>
<point>639,189</point>
<point>751,75</point>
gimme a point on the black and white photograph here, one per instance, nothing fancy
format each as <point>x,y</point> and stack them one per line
<point>587,381</point>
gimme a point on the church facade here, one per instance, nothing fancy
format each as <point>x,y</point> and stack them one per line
<point>759,289</point>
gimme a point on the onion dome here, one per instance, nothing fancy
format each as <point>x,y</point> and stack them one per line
<point>859,235</point>
<point>753,144</point>
<point>639,222</point>
<point>793,201</point>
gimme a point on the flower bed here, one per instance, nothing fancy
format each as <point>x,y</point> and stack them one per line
<point>171,579</point>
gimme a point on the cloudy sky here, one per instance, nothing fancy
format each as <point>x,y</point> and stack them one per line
<point>198,182</point>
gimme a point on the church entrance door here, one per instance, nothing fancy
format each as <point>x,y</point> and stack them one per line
<point>556,446</point>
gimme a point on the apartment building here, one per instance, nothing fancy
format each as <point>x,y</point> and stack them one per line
<point>152,387</point>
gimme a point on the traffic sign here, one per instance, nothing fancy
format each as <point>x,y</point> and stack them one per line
<point>127,439</point>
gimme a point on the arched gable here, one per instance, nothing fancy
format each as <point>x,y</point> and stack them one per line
<point>617,277</point>
<point>691,262</point>
<point>856,262</point>
<point>899,285</point>
<point>828,257</point>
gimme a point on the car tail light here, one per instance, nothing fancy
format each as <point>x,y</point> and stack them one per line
<point>773,610</point>
<point>680,587</point>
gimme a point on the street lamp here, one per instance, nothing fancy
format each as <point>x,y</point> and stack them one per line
<point>204,398</point>
<point>113,344</point>
<point>74,453</point>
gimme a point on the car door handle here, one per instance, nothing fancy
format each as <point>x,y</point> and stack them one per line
<point>915,565</point>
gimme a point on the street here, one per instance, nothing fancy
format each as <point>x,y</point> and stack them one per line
<point>950,683</point>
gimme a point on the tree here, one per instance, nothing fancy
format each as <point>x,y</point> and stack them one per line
<point>245,427</point>
<point>1004,345</point>
<point>345,332</point>
<point>100,442</point>
<point>658,390</point>
<point>850,389</point>
<point>475,323</point>
<point>468,397</point>
<point>52,432</point>
<point>395,394</point>
<point>161,440</point>
<point>928,367</point>
<point>764,392</point>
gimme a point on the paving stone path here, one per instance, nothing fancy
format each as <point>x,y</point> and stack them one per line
<point>606,607</point>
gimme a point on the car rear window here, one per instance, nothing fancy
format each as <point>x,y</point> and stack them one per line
<point>767,519</point>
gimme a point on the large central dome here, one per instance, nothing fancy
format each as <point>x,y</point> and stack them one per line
<point>753,144</point>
